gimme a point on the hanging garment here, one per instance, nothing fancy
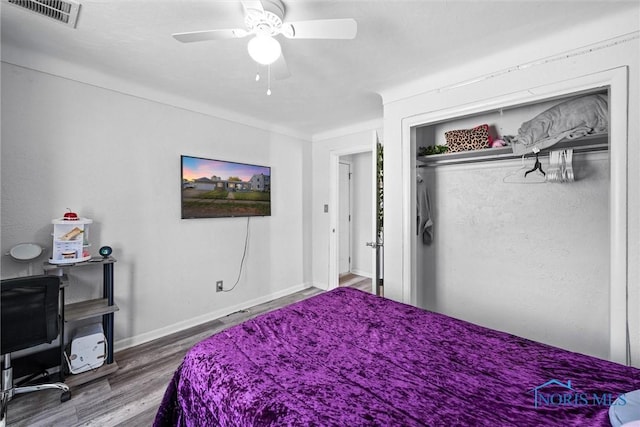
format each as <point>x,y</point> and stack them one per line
<point>425,224</point>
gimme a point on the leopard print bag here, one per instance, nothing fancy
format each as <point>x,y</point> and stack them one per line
<point>468,139</point>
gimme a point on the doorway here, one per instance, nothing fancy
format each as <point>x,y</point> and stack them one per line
<point>359,233</point>
<point>355,217</point>
<point>354,221</point>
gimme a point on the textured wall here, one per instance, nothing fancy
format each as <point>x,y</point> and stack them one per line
<point>529,259</point>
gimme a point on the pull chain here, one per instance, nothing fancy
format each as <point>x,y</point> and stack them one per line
<point>269,80</point>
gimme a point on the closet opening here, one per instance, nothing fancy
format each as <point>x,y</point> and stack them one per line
<point>502,244</point>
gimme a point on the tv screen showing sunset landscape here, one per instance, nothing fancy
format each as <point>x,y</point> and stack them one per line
<point>217,188</point>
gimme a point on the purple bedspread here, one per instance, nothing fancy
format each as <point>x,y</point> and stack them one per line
<point>347,358</point>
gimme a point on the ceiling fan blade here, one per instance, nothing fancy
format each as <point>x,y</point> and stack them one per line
<point>252,5</point>
<point>279,69</point>
<point>321,29</point>
<point>198,36</point>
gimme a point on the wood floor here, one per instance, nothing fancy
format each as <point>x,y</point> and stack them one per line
<point>131,395</point>
<point>355,281</point>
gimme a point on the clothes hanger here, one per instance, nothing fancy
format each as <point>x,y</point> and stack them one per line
<point>554,173</point>
<point>568,165</point>
<point>518,176</point>
<point>560,166</point>
<point>536,166</point>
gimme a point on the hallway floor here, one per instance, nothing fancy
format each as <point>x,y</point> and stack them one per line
<point>355,281</point>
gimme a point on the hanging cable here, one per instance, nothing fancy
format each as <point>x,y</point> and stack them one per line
<point>244,254</point>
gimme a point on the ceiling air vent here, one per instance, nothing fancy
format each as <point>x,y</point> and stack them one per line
<point>65,11</point>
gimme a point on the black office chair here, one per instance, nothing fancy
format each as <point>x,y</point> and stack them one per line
<point>30,316</point>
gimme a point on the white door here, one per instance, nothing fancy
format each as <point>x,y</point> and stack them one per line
<point>344,219</point>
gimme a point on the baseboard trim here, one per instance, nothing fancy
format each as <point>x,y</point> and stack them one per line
<point>366,274</point>
<point>321,286</point>
<point>186,324</point>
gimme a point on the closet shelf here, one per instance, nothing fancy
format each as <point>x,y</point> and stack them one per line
<point>581,145</point>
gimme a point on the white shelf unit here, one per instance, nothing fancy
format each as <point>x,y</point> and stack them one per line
<point>70,240</point>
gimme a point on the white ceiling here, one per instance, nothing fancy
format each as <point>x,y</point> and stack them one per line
<point>333,83</point>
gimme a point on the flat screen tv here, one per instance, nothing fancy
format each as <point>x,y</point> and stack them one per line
<point>218,189</point>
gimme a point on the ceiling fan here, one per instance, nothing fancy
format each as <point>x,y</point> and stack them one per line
<point>264,20</point>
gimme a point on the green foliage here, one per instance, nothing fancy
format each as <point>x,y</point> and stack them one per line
<point>234,178</point>
<point>215,194</point>
<point>203,208</point>
<point>432,149</point>
<point>257,196</point>
<point>380,187</point>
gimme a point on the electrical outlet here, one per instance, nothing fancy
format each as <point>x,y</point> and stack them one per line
<point>219,287</point>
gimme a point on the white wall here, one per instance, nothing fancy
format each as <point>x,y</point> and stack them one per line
<point>528,259</point>
<point>423,97</point>
<point>531,260</point>
<point>115,158</point>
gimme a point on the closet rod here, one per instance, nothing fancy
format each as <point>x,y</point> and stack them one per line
<point>586,145</point>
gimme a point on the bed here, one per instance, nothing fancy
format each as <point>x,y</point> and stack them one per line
<point>348,358</point>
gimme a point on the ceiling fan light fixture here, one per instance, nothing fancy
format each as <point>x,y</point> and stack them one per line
<point>264,49</point>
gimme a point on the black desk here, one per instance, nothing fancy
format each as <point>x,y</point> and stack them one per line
<point>101,307</point>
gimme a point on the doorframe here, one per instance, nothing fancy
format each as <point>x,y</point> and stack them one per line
<point>334,194</point>
<point>616,80</point>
